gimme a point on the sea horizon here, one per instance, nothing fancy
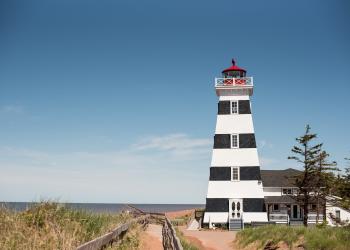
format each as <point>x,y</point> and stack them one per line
<point>108,207</point>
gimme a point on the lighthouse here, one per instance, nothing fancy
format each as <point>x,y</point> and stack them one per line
<point>235,192</point>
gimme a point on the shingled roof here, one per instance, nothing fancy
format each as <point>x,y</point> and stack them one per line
<point>279,178</point>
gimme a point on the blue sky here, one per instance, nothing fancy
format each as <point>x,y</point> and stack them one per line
<point>113,101</point>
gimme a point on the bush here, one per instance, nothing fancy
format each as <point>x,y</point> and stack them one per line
<point>50,225</point>
<point>312,238</point>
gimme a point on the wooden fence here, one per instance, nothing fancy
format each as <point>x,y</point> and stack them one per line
<point>112,236</point>
<point>170,240</point>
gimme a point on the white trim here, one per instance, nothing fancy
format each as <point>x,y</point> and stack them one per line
<point>232,141</point>
<point>238,174</point>
<point>234,101</point>
<point>235,213</point>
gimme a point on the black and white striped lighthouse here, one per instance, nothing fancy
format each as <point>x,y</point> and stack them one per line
<point>235,193</point>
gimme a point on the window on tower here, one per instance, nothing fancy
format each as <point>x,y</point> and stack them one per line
<point>234,141</point>
<point>234,107</point>
<point>235,174</point>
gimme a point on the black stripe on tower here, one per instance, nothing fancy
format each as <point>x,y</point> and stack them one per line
<point>249,173</point>
<point>225,106</point>
<point>224,141</point>
<point>216,205</point>
<point>254,205</point>
<point>224,173</point>
<point>222,205</point>
<point>244,107</point>
<point>220,174</point>
<point>247,141</point>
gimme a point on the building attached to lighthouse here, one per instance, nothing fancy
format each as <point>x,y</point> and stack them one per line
<point>235,191</point>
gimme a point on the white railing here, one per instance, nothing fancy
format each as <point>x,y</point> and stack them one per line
<point>311,218</point>
<point>223,82</point>
<point>279,217</point>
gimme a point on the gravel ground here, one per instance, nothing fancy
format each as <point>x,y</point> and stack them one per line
<point>151,239</point>
<point>218,240</point>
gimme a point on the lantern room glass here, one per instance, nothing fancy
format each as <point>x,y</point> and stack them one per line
<point>234,74</point>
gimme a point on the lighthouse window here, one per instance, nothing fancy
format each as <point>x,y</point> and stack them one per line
<point>234,141</point>
<point>235,173</point>
<point>234,107</point>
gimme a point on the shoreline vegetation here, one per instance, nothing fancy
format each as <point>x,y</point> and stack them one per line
<point>50,225</point>
<point>285,237</point>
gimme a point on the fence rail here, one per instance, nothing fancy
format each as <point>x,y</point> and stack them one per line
<point>279,217</point>
<point>219,82</point>
<point>112,236</point>
<point>312,218</point>
<point>170,240</point>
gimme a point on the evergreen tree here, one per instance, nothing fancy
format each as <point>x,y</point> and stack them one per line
<point>323,182</point>
<point>307,155</point>
<point>343,186</point>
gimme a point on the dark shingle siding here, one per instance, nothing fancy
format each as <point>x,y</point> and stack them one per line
<point>216,205</point>
<point>249,173</point>
<point>220,174</point>
<point>224,108</point>
<point>279,178</point>
<point>254,205</point>
<point>244,107</point>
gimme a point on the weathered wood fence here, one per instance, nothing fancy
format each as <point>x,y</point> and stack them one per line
<point>170,240</point>
<point>114,235</point>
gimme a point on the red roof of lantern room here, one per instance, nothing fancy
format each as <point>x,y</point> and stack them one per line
<point>233,67</point>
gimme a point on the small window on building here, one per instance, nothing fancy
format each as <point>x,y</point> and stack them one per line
<point>234,141</point>
<point>287,191</point>
<point>313,207</point>
<point>234,107</point>
<point>235,173</point>
<point>337,214</point>
<point>276,207</point>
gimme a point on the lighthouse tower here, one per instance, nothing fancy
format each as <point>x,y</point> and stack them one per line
<point>235,193</point>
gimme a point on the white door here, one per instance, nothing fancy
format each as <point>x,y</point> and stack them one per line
<point>235,208</point>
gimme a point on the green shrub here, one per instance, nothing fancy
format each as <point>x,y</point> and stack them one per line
<point>50,225</point>
<point>313,238</point>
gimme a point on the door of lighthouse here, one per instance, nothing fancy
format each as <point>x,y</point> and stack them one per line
<point>235,208</point>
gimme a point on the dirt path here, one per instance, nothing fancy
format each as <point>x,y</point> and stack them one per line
<point>151,239</point>
<point>210,240</point>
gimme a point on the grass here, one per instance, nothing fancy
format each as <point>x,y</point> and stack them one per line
<point>50,225</point>
<point>181,220</point>
<point>311,238</point>
<point>185,244</point>
<point>131,241</point>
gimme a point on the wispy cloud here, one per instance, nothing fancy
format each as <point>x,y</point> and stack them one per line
<point>267,162</point>
<point>11,109</point>
<point>175,162</point>
<point>175,143</point>
<point>264,144</point>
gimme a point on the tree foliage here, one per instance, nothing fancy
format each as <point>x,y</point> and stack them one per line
<point>307,154</point>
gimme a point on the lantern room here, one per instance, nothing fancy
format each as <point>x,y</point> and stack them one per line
<point>234,71</point>
<point>234,82</point>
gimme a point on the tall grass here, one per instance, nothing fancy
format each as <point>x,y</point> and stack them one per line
<point>49,225</point>
<point>185,244</point>
<point>316,238</point>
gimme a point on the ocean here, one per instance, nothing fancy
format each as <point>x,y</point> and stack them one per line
<point>110,207</point>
